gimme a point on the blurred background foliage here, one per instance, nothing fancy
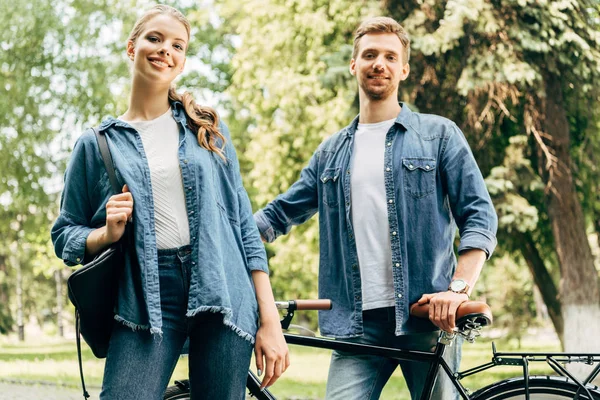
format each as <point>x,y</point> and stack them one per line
<point>518,77</point>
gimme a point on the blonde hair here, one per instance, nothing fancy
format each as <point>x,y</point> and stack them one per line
<point>382,25</point>
<point>201,119</point>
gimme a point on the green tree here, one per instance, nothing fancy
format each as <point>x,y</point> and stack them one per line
<point>279,83</point>
<point>54,67</point>
<point>62,69</point>
<point>520,62</point>
<point>497,68</point>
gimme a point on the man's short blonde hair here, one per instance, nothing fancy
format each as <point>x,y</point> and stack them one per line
<point>382,25</point>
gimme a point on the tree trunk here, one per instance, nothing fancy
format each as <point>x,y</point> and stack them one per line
<point>543,281</point>
<point>20,322</point>
<point>6,321</point>
<point>579,291</point>
<point>597,227</point>
<point>59,302</point>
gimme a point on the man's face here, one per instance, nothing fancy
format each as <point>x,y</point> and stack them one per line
<point>379,66</point>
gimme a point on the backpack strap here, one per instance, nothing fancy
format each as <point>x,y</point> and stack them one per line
<point>86,395</point>
<point>107,158</point>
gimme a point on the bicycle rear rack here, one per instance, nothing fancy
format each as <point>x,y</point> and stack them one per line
<point>554,360</point>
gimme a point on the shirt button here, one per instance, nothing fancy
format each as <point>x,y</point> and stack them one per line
<point>347,204</point>
<point>427,167</point>
<point>193,237</point>
<point>394,233</point>
<point>354,266</point>
<point>389,144</point>
<point>388,169</point>
<point>192,212</point>
<point>348,172</point>
<point>357,297</point>
<point>189,188</point>
<point>411,166</point>
<point>78,259</point>
<point>193,262</point>
<point>390,201</point>
<point>397,264</point>
<point>185,161</point>
<point>399,295</point>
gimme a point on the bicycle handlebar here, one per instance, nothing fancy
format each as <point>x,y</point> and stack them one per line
<point>315,304</point>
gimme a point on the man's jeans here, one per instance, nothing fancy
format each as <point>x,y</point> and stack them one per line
<point>362,377</point>
<point>139,366</point>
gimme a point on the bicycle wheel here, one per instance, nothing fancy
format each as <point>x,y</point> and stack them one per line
<point>540,388</point>
<point>180,391</point>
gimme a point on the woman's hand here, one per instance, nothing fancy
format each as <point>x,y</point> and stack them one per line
<point>271,351</point>
<point>119,210</point>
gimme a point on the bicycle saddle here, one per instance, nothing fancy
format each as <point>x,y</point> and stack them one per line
<point>476,312</point>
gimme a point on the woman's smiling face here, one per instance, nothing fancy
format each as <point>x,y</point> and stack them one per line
<point>159,52</point>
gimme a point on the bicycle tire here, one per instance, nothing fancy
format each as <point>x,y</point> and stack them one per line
<point>177,393</point>
<point>181,391</point>
<point>540,388</point>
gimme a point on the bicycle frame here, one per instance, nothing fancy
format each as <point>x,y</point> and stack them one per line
<point>473,319</point>
<point>435,360</point>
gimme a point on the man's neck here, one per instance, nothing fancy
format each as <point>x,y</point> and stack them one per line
<point>146,102</point>
<point>373,111</point>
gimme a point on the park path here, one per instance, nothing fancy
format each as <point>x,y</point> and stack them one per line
<point>21,391</point>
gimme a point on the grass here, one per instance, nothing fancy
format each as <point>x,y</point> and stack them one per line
<point>56,361</point>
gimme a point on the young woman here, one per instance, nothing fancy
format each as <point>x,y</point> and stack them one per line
<point>200,269</point>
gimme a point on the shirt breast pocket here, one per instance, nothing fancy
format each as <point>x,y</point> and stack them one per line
<point>419,176</point>
<point>330,183</point>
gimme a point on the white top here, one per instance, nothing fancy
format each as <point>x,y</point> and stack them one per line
<point>370,216</point>
<point>160,138</point>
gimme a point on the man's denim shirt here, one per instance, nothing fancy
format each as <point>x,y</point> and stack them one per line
<point>225,242</point>
<point>432,184</point>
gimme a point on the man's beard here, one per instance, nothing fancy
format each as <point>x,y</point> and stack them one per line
<point>380,94</point>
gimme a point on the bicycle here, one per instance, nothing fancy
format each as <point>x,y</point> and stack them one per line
<point>472,316</point>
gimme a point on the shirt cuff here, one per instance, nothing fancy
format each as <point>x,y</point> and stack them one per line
<point>264,226</point>
<point>478,239</point>
<point>74,253</point>
<point>258,264</point>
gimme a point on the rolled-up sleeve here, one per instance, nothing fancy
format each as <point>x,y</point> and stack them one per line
<point>294,207</point>
<point>255,250</point>
<point>256,256</point>
<point>72,227</point>
<point>264,226</point>
<point>469,199</point>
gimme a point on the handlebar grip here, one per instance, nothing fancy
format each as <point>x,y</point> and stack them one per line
<point>320,304</point>
<point>420,311</point>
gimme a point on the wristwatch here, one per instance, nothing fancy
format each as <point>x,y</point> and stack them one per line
<point>459,286</point>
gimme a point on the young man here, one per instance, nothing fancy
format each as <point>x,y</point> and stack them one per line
<point>390,189</point>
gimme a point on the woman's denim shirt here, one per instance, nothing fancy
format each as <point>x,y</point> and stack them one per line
<point>225,242</point>
<point>432,184</point>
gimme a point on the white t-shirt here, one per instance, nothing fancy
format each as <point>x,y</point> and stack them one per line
<point>160,138</point>
<point>370,216</point>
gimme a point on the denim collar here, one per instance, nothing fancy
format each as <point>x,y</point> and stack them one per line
<point>402,119</point>
<point>178,114</point>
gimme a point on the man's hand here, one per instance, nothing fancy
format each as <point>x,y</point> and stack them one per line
<point>442,308</point>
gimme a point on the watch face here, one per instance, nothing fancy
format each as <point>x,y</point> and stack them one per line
<point>458,285</point>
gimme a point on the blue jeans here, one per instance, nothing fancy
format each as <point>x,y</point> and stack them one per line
<point>362,377</point>
<point>139,366</point>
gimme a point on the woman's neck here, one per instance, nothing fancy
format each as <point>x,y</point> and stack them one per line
<point>146,102</point>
